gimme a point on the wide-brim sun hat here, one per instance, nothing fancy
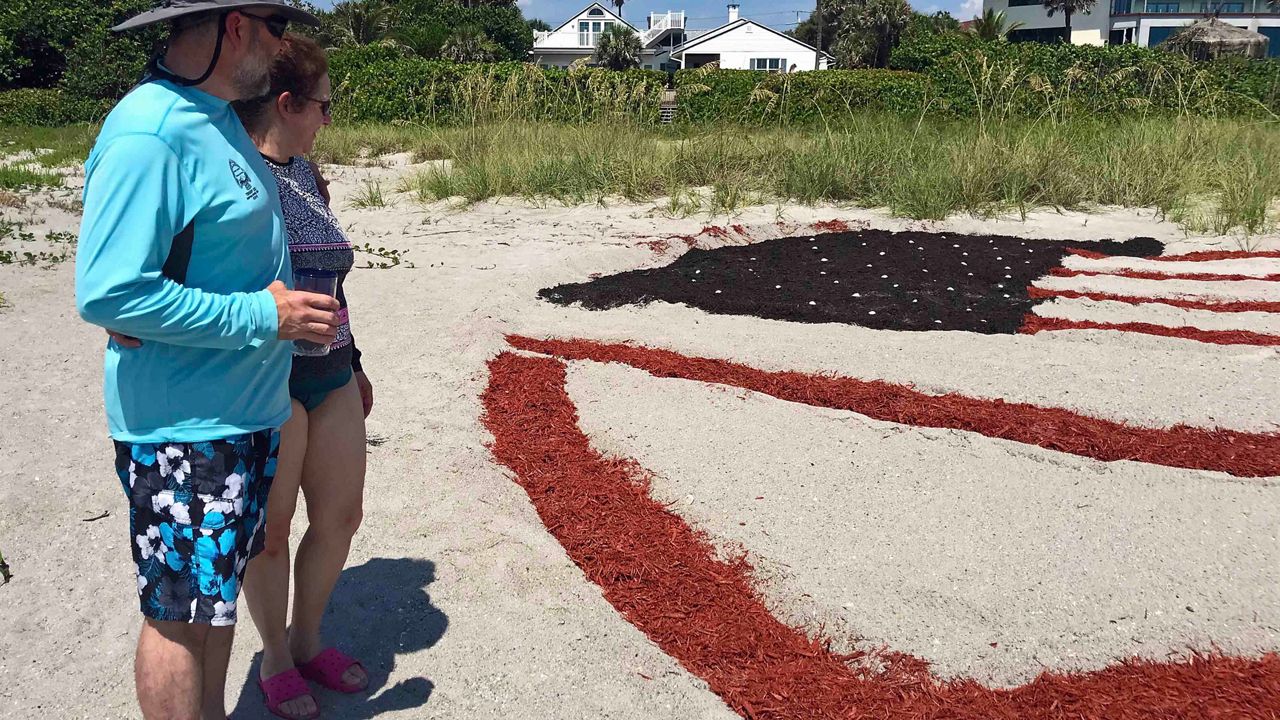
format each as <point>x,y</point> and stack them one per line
<point>166,10</point>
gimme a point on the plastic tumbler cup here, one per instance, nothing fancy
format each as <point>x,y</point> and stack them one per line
<point>322,282</point>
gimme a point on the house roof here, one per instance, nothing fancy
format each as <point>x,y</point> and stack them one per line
<point>730,27</point>
<point>607,12</point>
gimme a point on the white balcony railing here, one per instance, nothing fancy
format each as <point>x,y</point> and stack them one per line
<point>1194,7</point>
<point>660,23</point>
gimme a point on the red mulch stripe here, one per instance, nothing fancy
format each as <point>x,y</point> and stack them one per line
<point>1224,306</point>
<point>832,226</point>
<point>1237,453</point>
<point>1220,255</point>
<point>1147,275</point>
<point>1187,257</point>
<point>1035,323</point>
<point>664,577</point>
<point>1091,254</point>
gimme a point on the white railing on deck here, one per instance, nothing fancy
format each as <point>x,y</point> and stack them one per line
<point>660,23</point>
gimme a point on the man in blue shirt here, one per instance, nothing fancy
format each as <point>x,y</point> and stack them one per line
<point>182,247</point>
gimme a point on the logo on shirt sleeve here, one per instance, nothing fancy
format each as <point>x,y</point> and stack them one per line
<point>242,179</point>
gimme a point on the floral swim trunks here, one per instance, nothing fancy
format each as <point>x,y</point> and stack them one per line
<point>196,512</point>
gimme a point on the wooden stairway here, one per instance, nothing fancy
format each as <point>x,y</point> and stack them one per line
<point>667,110</point>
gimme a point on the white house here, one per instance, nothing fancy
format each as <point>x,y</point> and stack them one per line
<point>743,44</point>
<point>666,44</point>
<point>576,37</point>
<point>1141,22</point>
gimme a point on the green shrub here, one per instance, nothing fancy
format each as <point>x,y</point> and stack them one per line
<point>36,36</point>
<point>103,64</point>
<point>754,96</point>
<point>383,86</point>
<point>920,51</point>
<point>346,60</point>
<point>47,107</point>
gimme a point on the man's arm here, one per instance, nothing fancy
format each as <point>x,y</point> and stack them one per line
<point>133,207</point>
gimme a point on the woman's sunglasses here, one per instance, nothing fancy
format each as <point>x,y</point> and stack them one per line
<point>276,25</point>
<point>324,104</point>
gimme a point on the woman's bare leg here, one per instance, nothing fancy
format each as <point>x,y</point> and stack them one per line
<point>266,579</point>
<point>333,483</point>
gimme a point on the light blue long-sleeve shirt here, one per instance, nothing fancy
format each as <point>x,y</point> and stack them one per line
<point>171,158</point>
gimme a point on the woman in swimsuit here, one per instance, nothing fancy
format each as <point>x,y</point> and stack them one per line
<point>322,447</point>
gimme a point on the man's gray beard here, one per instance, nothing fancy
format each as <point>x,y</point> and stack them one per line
<point>253,78</point>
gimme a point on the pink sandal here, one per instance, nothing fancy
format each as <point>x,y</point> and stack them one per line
<point>328,667</point>
<point>283,687</point>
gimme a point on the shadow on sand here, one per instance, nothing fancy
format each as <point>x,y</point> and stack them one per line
<point>378,610</point>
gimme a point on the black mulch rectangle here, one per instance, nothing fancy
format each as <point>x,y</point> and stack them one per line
<point>876,279</point>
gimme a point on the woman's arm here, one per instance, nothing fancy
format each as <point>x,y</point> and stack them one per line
<point>321,184</point>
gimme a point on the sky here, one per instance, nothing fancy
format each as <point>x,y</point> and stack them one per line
<point>706,14</point>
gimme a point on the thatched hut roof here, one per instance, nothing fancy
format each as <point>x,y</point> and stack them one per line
<point>1211,38</point>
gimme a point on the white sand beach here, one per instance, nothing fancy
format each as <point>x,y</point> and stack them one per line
<point>991,559</point>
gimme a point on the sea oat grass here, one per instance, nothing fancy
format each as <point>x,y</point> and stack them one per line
<point>926,170</point>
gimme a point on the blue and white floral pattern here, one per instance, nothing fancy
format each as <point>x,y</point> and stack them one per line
<point>196,514</point>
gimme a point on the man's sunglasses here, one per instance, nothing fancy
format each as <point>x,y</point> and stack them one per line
<point>276,25</point>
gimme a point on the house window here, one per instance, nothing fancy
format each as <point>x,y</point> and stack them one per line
<point>769,64</point>
<point>1163,7</point>
<point>1123,36</point>
<point>1225,7</point>
<point>1157,35</point>
<point>1273,33</point>
<point>596,12</point>
<point>589,31</point>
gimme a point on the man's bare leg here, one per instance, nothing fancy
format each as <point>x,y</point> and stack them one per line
<point>217,653</point>
<point>168,669</point>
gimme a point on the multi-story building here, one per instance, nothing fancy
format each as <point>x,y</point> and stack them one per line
<point>1142,22</point>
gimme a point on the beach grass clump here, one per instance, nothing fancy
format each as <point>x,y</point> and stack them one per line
<point>370,195</point>
<point>17,177</point>
<point>1217,176</point>
<point>48,147</point>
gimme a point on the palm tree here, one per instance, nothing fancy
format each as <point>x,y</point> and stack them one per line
<point>869,31</point>
<point>618,49</point>
<point>992,25</point>
<point>357,22</point>
<point>468,43</point>
<point>618,4</point>
<point>1069,8</point>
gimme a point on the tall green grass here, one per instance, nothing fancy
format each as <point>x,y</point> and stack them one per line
<point>1211,175</point>
<point>14,177</point>
<point>29,156</point>
<point>53,147</point>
